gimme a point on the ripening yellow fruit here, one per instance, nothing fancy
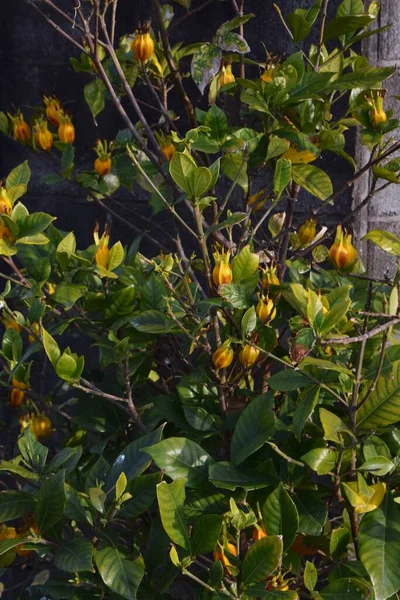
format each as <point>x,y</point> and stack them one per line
<point>269,277</point>
<point>66,131</point>
<point>342,252</point>
<point>258,533</point>
<point>226,76</point>
<point>102,164</point>
<point>223,356</point>
<point>248,356</point>
<point>101,256</point>
<point>377,113</point>
<point>21,130</point>
<point>54,110</point>
<point>142,44</point>
<point>168,151</point>
<point>41,426</point>
<point>10,323</point>
<point>17,394</point>
<point>43,137</point>
<point>5,203</point>
<point>219,554</point>
<point>35,329</point>
<point>102,252</point>
<point>222,272</point>
<point>307,231</point>
<point>265,309</point>
<point>5,234</point>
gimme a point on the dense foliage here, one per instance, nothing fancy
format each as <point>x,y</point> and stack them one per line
<point>218,420</point>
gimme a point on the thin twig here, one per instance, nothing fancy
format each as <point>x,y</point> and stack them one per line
<point>322,32</point>
<point>363,337</point>
<point>59,29</point>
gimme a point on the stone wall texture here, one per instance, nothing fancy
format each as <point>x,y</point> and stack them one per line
<point>35,60</point>
<point>383,212</point>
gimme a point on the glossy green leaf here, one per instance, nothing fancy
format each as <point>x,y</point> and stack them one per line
<point>314,180</point>
<point>382,407</point>
<point>280,516</point>
<point>199,182</point>
<point>299,26</point>
<point>387,241</point>
<point>305,408</point>
<point>310,576</point>
<point>364,78</point>
<point>244,265</point>
<point>121,576</point>
<point>206,532</point>
<point>143,492</point>
<point>276,147</point>
<point>378,465</point>
<point>95,92</point>
<point>261,559</point>
<point>51,347</point>
<point>33,452</point>
<point>237,294</point>
<point>288,380</point>
<point>321,460</point>
<point>234,23</point>
<point>181,167</point>
<point>15,504</point>
<point>20,175</point>
<point>234,166</point>
<point>171,498</point>
<point>338,543</point>
<point>333,426</point>
<point>346,24</point>
<point>216,120</point>
<point>181,458</point>
<point>133,461</point>
<point>379,547</point>
<point>225,475</point>
<point>74,555</point>
<point>50,502</point>
<point>346,589</point>
<point>254,427</point>
<point>312,512</point>
<point>282,176</point>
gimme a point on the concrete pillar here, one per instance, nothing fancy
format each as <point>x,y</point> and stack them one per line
<point>383,212</point>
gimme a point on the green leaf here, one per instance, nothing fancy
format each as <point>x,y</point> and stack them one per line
<point>67,157</point>
<point>364,78</point>
<point>181,458</point>
<point>143,492</point>
<point>310,84</point>
<point>347,24</point>
<point>288,380</point>
<point>299,25</point>
<point>132,460</point>
<point>122,576</point>
<point>350,7</point>
<point>216,120</point>
<point>12,345</point>
<point>206,532</point>
<point>340,538</point>
<point>280,516</point>
<point>205,65</point>
<point>234,23</point>
<point>346,589</point>
<point>237,294</point>
<point>116,256</point>
<point>18,176</point>
<point>232,42</point>
<point>382,408</point>
<point>171,498</point>
<point>15,504</point>
<point>32,451</point>
<point>310,576</point>
<point>66,367</point>
<point>314,180</point>
<point>379,547</point>
<point>51,347</point>
<point>304,409</point>
<point>276,147</point>
<point>4,125</point>
<point>68,293</point>
<point>98,499</point>
<point>152,322</point>
<point>225,475</point>
<point>249,322</point>
<point>199,182</point>
<point>333,426</point>
<point>51,502</point>
<point>282,176</point>
<point>254,427</point>
<point>95,92</point>
<point>14,467</point>
<point>378,465</point>
<point>233,219</point>
<point>387,241</point>
<point>321,460</point>
<point>381,173</point>
<point>312,512</point>
<point>68,244</point>
<point>67,458</point>
<point>181,168</point>
<point>35,223</point>
<point>261,559</point>
<point>74,556</point>
<point>16,192</point>
<point>244,265</point>
<point>199,418</point>
<point>234,166</point>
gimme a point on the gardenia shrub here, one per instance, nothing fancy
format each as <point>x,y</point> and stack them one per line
<point>218,419</point>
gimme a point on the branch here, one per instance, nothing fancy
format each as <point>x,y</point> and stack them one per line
<point>57,27</point>
<point>190,13</point>
<point>321,35</point>
<point>175,73</point>
<point>360,338</point>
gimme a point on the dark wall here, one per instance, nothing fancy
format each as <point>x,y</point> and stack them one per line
<point>35,60</point>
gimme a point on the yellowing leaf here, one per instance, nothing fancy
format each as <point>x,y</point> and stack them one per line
<point>364,501</point>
